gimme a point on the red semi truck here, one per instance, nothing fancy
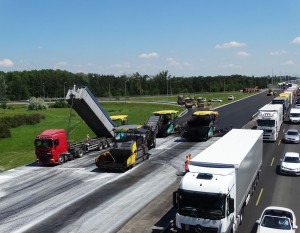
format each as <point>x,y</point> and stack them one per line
<point>52,147</point>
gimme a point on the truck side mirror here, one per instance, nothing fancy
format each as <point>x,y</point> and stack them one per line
<point>175,195</point>
<point>231,205</point>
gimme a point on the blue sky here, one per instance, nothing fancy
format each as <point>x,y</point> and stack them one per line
<point>185,37</point>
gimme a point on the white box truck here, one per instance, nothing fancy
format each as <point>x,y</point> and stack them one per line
<point>269,119</point>
<point>212,196</point>
<point>294,115</point>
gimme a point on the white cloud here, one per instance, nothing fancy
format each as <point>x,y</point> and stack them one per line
<point>290,62</point>
<point>61,64</point>
<point>6,63</point>
<point>277,53</point>
<point>296,40</point>
<point>232,44</point>
<point>230,66</point>
<point>173,62</point>
<point>243,54</point>
<point>149,55</point>
<point>120,65</point>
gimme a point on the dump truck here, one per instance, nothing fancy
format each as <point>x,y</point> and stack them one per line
<point>53,146</point>
<point>167,122</point>
<point>131,144</point>
<point>201,126</point>
<point>212,196</point>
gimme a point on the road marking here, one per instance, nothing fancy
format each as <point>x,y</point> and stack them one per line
<point>279,142</point>
<point>259,196</point>
<point>272,162</point>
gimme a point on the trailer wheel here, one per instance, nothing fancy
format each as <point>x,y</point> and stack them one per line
<point>241,216</point>
<point>154,143</point>
<point>100,147</point>
<point>105,145</point>
<point>80,153</point>
<point>61,159</point>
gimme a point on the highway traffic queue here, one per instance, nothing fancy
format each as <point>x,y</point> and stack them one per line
<point>212,196</point>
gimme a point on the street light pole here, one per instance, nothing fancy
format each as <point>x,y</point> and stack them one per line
<point>44,90</point>
<point>125,89</point>
<point>65,89</point>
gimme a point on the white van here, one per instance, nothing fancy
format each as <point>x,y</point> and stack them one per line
<point>295,115</point>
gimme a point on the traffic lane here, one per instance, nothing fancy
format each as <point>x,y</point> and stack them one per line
<point>263,192</point>
<point>239,113</point>
<point>273,189</point>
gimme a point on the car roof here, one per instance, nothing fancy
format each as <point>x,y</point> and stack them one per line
<point>278,208</point>
<point>292,130</point>
<point>292,154</point>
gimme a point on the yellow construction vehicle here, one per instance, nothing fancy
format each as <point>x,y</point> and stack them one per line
<point>167,122</point>
<point>201,126</point>
<point>120,119</point>
<point>131,144</point>
<point>189,102</point>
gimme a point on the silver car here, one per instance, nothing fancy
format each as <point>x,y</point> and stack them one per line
<point>277,219</point>
<point>290,163</point>
<point>292,136</point>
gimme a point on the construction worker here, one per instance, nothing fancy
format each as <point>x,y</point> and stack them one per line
<point>188,158</point>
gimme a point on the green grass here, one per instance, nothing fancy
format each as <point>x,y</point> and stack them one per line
<point>19,150</point>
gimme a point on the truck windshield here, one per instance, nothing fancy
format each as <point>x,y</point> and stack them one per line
<point>295,115</point>
<point>43,143</point>
<point>200,205</point>
<point>267,123</point>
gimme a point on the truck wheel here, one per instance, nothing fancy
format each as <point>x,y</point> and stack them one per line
<point>61,159</point>
<point>105,145</point>
<point>80,153</point>
<point>100,147</point>
<point>154,144</point>
<point>241,216</point>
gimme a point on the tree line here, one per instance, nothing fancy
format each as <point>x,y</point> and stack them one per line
<point>48,83</point>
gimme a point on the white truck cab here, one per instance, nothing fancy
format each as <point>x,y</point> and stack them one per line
<point>294,115</point>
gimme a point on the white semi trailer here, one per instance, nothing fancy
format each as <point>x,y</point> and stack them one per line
<point>212,196</point>
<point>269,119</point>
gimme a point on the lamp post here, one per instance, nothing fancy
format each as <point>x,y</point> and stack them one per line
<point>125,89</point>
<point>44,90</point>
<point>65,89</point>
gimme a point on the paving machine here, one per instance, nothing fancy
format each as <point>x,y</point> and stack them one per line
<point>131,144</point>
<point>201,126</point>
<point>167,122</point>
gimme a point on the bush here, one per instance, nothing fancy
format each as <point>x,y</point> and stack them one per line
<point>4,131</point>
<point>17,120</point>
<point>60,104</point>
<point>36,104</point>
<point>3,105</point>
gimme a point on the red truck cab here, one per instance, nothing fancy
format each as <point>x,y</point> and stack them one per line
<point>50,146</point>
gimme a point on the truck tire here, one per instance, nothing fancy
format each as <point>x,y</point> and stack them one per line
<point>241,216</point>
<point>105,144</point>
<point>61,159</point>
<point>100,146</point>
<point>79,153</point>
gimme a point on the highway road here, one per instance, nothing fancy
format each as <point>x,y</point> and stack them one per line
<point>76,197</point>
